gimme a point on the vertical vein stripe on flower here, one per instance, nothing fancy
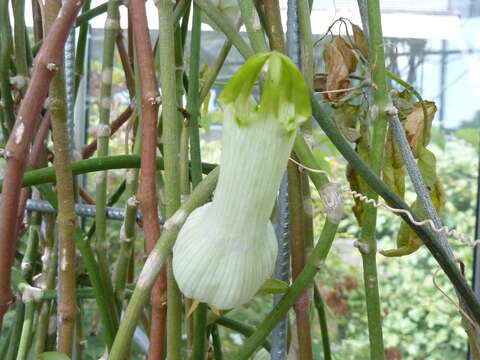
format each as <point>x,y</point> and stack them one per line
<point>227,248</point>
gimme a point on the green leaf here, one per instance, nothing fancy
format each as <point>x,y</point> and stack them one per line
<point>53,355</point>
<point>273,286</point>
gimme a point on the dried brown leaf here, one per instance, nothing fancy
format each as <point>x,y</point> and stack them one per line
<point>414,125</point>
<point>340,62</point>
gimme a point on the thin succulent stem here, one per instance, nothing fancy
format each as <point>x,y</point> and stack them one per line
<point>193,97</point>
<point>49,271</point>
<point>46,64</point>
<point>90,149</point>
<point>199,332</point>
<point>127,236</point>
<point>112,25</point>
<point>20,32</point>
<point>226,27</point>
<point>81,49</point>
<point>216,342</point>
<point>375,159</point>
<point>147,195</point>
<point>66,218</point>
<point>241,328</point>
<point>374,182</point>
<point>37,22</point>
<point>47,174</point>
<point>171,148</point>
<point>253,26</point>
<point>155,261</point>
<point>127,67</point>
<point>6,105</point>
<point>215,70</point>
<point>300,202</point>
<point>322,320</point>
<point>303,280</point>
<point>274,29</point>
<point>88,15</point>
<point>26,335</point>
<point>298,251</point>
<point>17,326</point>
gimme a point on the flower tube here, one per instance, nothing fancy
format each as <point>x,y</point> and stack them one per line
<point>227,248</point>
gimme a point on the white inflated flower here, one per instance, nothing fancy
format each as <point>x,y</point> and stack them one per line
<point>227,248</point>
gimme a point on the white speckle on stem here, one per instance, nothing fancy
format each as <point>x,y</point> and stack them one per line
<point>105,102</point>
<point>176,220</point>
<point>333,201</point>
<point>150,270</point>
<point>19,133</point>
<point>32,294</point>
<point>107,75</point>
<point>103,130</point>
<point>63,260</point>
<point>100,177</point>
<point>52,67</point>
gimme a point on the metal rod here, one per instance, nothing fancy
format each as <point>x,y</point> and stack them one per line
<point>83,210</point>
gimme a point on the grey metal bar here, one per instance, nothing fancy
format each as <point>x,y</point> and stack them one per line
<point>113,213</point>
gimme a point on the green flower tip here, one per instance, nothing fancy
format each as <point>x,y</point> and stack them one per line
<point>285,94</point>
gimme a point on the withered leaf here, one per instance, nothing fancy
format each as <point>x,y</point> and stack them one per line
<point>346,117</point>
<point>394,171</point>
<point>414,125</point>
<point>360,40</point>
<point>340,61</point>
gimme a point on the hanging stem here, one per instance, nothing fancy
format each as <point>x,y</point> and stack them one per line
<point>111,28</point>
<point>49,271</point>
<point>6,108</point>
<point>46,64</point>
<point>322,319</point>
<point>171,146</point>
<point>147,193</point>
<point>368,241</point>
<point>66,219</point>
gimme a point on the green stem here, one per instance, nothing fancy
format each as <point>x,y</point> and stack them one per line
<point>253,25</point>
<point>241,328</point>
<point>224,25</point>
<point>16,331</point>
<point>368,239</point>
<point>199,331</point>
<point>26,336</point>
<point>49,271</point>
<point>112,26</point>
<point>47,174</point>
<point>81,48</point>
<point>322,319</point>
<point>215,70</point>
<point>20,38</point>
<point>216,342</point>
<point>154,264</point>
<point>303,280</point>
<point>88,15</point>
<point>66,218</point>
<point>374,182</point>
<point>192,102</point>
<point>171,148</point>
<point>5,54</point>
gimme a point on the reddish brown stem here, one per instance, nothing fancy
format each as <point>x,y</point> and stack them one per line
<point>147,189</point>
<point>34,162</point>
<point>297,235</point>
<point>16,149</point>
<point>90,149</point>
